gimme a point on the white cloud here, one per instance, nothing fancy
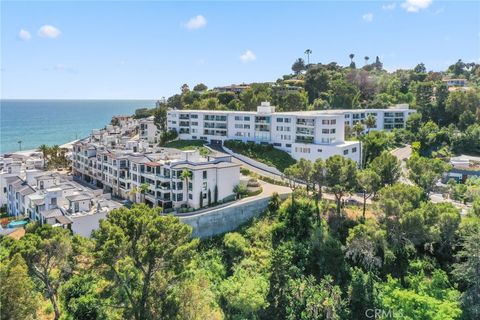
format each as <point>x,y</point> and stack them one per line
<point>24,35</point>
<point>196,22</point>
<point>416,5</point>
<point>367,17</point>
<point>248,56</point>
<point>48,31</point>
<point>390,6</point>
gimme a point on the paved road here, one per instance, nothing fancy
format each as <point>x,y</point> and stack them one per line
<point>403,154</point>
<point>329,196</point>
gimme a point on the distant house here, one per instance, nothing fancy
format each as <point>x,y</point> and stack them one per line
<point>464,167</point>
<point>236,88</point>
<point>456,84</point>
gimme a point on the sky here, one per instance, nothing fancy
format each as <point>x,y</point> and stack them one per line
<point>147,50</point>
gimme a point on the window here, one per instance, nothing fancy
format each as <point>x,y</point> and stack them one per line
<point>288,145</point>
<point>347,116</point>
<point>287,120</point>
<point>302,150</point>
<point>319,150</point>
<point>276,144</point>
<point>179,196</point>
<point>190,196</point>
<point>325,131</point>
<point>354,149</point>
<point>238,118</point>
<point>204,186</point>
<point>279,119</point>
<point>204,174</point>
<point>332,130</point>
<point>345,152</point>
<point>194,116</point>
<point>204,195</point>
<point>246,118</point>
<point>53,201</point>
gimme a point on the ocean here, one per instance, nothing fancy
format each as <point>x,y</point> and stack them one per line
<point>50,122</point>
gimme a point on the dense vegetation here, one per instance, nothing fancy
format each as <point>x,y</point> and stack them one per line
<point>302,259</point>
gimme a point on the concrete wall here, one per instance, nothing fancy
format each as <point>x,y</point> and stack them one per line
<point>222,220</point>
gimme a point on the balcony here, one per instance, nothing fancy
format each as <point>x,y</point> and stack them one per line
<point>303,139</point>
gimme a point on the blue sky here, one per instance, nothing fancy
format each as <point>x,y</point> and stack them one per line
<point>147,50</point>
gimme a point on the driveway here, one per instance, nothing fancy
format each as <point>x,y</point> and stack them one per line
<point>403,154</point>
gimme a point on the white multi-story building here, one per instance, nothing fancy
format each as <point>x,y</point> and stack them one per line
<point>303,134</point>
<point>123,172</point>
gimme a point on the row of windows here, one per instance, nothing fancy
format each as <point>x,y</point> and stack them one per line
<point>242,118</point>
<point>285,120</point>
<point>242,126</point>
<point>326,121</point>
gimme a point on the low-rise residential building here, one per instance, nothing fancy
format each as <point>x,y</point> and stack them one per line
<point>303,134</point>
<point>463,167</point>
<point>48,197</point>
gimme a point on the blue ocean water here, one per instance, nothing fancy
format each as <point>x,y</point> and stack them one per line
<point>50,122</point>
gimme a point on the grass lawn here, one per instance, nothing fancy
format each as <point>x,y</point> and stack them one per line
<point>266,154</point>
<point>185,144</point>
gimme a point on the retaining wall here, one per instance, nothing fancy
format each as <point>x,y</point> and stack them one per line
<point>218,221</point>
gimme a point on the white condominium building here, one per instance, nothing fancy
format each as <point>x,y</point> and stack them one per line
<point>124,173</point>
<point>303,134</point>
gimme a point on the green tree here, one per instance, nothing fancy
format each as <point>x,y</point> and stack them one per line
<point>352,63</point>
<point>298,66</point>
<point>425,172</point>
<point>310,300</point>
<point>245,293</point>
<point>47,251</point>
<point>369,182</point>
<point>467,271</point>
<point>200,87</point>
<point>81,300</point>
<point>365,246</point>
<point>294,101</point>
<point>387,166</point>
<point>143,253</point>
<point>361,294</point>
<point>374,143</point>
<point>18,299</point>
<point>160,118</point>
<point>340,177</point>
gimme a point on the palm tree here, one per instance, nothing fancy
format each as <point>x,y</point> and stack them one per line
<point>134,192</point>
<point>366,59</point>
<point>239,191</point>
<point>144,187</point>
<point>185,175</point>
<point>44,149</point>
<point>358,128</point>
<point>308,52</point>
<point>19,145</point>
<point>370,122</point>
<point>351,56</point>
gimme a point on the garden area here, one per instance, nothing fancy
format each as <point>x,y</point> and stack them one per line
<point>189,145</point>
<point>266,154</point>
